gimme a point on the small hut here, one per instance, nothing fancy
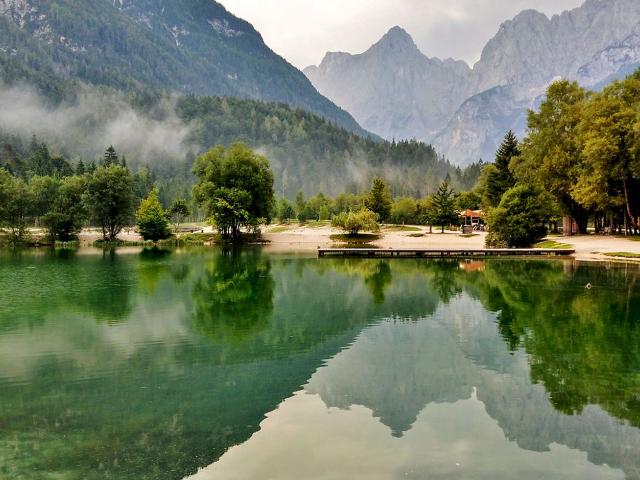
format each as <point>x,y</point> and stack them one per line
<point>472,220</point>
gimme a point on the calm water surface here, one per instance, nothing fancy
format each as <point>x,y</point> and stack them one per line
<point>207,364</point>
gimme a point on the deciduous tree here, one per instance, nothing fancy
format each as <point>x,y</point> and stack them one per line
<point>355,222</point>
<point>403,211</point>
<point>551,156</point>
<point>178,211</point>
<point>68,213</point>
<point>235,186</point>
<point>110,199</point>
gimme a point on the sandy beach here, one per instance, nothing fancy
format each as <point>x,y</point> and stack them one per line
<point>301,239</point>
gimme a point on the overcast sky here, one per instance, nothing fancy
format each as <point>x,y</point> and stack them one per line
<point>302,31</point>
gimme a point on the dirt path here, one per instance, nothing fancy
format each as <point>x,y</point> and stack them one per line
<point>592,247</point>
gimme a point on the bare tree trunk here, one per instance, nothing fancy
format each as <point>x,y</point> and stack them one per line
<point>628,207</point>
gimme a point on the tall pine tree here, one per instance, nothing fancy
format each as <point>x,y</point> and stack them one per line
<point>508,149</point>
<point>497,178</point>
<point>379,199</point>
<point>444,205</point>
<point>110,157</point>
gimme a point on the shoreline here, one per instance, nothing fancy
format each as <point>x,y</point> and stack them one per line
<point>307,239</point>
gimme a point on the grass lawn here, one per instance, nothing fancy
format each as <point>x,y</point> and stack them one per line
<point>552,244</point>
<point>360,239</point>
<point>193,239</point>
<point>400,228</point>
<point>622,255</point>
<point>316,223</point>
<point>469,235</point>
<point>633,238</point>
<point>279,229</point>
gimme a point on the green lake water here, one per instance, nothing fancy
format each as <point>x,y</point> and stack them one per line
<point>209,364</point>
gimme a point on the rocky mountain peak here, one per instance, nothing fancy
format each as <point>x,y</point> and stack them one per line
<point>395,91</point>
<point>528,17</point>
<point>395,42</point>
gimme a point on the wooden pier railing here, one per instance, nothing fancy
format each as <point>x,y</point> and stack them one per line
<point>462,252</point>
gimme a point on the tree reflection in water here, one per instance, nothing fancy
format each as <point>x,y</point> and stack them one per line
<point>233,300</point>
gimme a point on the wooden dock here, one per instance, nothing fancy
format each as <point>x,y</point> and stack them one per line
<point>437,253</point>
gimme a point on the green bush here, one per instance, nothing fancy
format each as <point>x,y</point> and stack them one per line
<point>152,219</point>
<point>521,218</point>
<point>354,222</point>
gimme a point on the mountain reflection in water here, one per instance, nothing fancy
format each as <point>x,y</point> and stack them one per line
<point>225,364</point>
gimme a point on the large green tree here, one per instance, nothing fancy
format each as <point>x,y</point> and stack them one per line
<point>44,192</point>
<point>426,212</point>
<point>235,186</point>
<point>67,215</point>
<point>403,211</point>
<point>110,199</point>
<point>610,175</point>
<point>17,205</point>
<point>550,155</point>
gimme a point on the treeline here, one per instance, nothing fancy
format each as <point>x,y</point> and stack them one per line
<point>306,152</point>
<point>439,209</point>
<point>26,159</point>
<point>580,159</point>
<point>51,193</point>
<point>309,154</point>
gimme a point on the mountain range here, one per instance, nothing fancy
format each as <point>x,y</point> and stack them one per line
<point>149,48</point>
<point>396,91</point>
<point>185,46</point>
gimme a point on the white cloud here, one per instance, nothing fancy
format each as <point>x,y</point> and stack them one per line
<point>93,121</point>
<point>303,30</point>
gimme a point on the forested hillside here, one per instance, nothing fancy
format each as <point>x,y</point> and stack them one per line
<point>140,75</point>
<point>186,46</point>
<point>306,152</point>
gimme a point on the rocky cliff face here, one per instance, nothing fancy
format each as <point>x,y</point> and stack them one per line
<point>395,91</point>
<point>532,50</point>
<point>392,88</point>
<point>480,123</point>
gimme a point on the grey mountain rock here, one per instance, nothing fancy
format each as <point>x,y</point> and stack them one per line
<point>481,122</point>
<point>394,90</point>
